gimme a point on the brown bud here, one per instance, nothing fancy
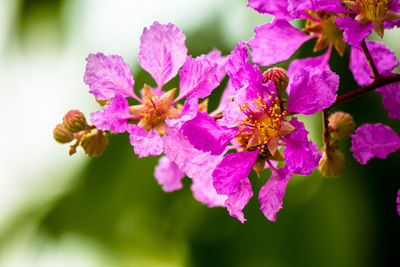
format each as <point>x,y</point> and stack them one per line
<point>74,121</point>
<point>62,135</point>
<point>280,78</point>
<point>94,142</point>
<point>332,162</point>
<point>341,125</point>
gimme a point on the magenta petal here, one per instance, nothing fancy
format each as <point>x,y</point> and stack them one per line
<point>277,8</point>
<point>373,140</point>
<point>384,59</point>
<point>230,178</point>
<point>114,116</point>
<point>144,143</point>
<point>162,51</point>
<point>311,90</point>
<point>334,6</point>
<point>398,202</point>
<point>275,42</point>
<point>391,99</point>
<point>197,165</point>
<point>206,135</point>
<point>198,76</point>
<point>168,174</point>
<point>215,56</point>
<point>301,154</point>
<point>271,194</point>
<point>107,76</point>
<point>353,31</point>
<point>313,62</point>
<point>189,111</point>
<point>241,72</point>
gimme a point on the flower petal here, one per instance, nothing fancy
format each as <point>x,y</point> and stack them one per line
<point>277,8</point>
<point>391,99</point>
<point>230,178</point>
<point>353,31</point>
<point>144,143</point>
<point>189,112</point>
<point>311,90</point>
<point>197,165</point>
<point>113,117</point>
<point>162,51</point>
<point>373,140</point>
<point>271,194</point>
<point>198,76</point>
<point>206,135</point>
<point>275,42</point>
<point>384,60</point>
<point>398,202</point>
<point>108,76</point>
<point>301,154</point>
<point>216,57</point>
<point>168,174</point>
<point>241,72</point>
<point>313,62</point>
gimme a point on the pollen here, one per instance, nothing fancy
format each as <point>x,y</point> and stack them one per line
<point>262,122</point>
<point>154,111</point>
<point>373,10</point>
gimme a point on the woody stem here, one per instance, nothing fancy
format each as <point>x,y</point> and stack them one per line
<point>369,59</point>
<point>325,120</point>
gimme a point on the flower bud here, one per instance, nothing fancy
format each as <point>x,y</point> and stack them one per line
<point>94,143</point>
<point>280,78</point>
<point>341,125</point>
<point>74,121</point>
<point>332,162</point>
<point>62,135</point>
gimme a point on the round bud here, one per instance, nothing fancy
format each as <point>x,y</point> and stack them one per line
<point>74,121</point>
<point>280,78</point>
<point>62,135</point>
<point>332,162</point>
<point>341,125</point>
<point>94,143</point>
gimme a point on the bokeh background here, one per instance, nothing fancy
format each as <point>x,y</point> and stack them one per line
<point>57,210</point>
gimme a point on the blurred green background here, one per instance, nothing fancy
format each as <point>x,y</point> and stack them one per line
<point>109,211</point>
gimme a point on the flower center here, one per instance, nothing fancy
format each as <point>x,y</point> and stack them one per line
<point>155,111</point>
<point>329,33</point>
<point>262,122</point>
<point>373,10</point>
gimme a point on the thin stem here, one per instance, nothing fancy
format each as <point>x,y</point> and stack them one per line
<point>325,120</point>
<point>378,82</point>
<point>369,59</point>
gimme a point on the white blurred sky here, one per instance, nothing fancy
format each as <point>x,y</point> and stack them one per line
<point>39,83</point>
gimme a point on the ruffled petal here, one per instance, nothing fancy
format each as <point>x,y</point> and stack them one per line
<point>391,99</point>
<point>312,62</point>
<point>373,140</point>
<point>334,6</point>
<point>353,31</point>
<point>162,51</point>
<point>277,8</point>
<point>168,175</point>
<point>271,194</point>
<point>216,57</point>
<point>206,135</point>
<point>301,154</point>
<point>275,42</point>
<point>311,90</point>
<point>384,60</point>
<point>198,76</point>
<point>241,72</point>
<point>197,165</point>
<point>230,178</point>
<point>144,143</point>
<point>108,76</point>
<point>113,117</point>
<point>189,112</point>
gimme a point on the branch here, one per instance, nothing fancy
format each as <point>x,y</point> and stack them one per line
<point>325,120</point>
<point>370,60</point>
<point>378,82</point>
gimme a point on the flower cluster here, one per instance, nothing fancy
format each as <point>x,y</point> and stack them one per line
<point>255,125</point>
